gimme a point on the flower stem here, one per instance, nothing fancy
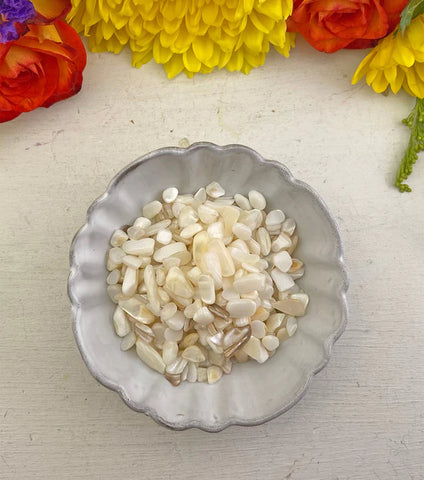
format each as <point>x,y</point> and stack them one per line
<point>415,122</point>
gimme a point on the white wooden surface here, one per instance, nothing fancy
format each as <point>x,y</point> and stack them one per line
<point>363,417</point>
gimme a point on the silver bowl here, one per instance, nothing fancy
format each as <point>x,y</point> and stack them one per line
<point>252,393</point>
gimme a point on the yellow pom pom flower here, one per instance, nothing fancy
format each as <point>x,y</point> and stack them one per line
<point>398,61</point>
<point>187,35</point>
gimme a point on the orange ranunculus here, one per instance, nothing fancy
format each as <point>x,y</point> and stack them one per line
<point>49,10</point>
<point>329,25</point>
<point>44,65</point>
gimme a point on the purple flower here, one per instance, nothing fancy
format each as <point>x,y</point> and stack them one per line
<point>13,13</point>
<point>17,10</point>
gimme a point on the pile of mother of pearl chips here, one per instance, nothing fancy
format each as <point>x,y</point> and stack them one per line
<point>204,280</point>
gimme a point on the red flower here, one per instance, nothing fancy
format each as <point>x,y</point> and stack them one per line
<point>329,25</point>
<point>43,66</point>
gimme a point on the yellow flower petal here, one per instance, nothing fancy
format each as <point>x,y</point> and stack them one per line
<point>234,28</point>
<point>169,10</point>
<point>272,9</point>
<point>134,27</point>
<point>191,62</point>
<point>183,41</point>
<point>161,54</point>
<point>419,68</point>
<point>397,83</point>
<point>230,13</point>
<point>118,20</point>
<point>203,48</point>
<point>289,42</point>
<point>277,36</point>
<point>205,69</point>
<point>254,59</point>
<point>143,42</point>
<point>214,60</point>
<point>245,68</point>
<point>419,56</point>
<point>379,83</point>
<point>401,53</point>
<point>195,24</point>
<point>253,38</point>
<point>108,30</point>
<point>92,11</point>
<point>122,36</point>
<point>248,5</point>
<point>210,13</point>
<point>415,84</point>
<point>226,42</point>
<point>149,10</point>
<point>362,68</point>
<point>111,45</point>
<point>140,58</point>
<point>414,34</point>
<point>174,66</point>
<point>127,9</point>
<point>370,76</point>
<point>235,62</point>
<point>390,74</point>
<point>383,57</point>
<point>167,39</point>
<point>76,17</point>
<point>262,22</point>
<point>153,26</point>
<point>225,58</point>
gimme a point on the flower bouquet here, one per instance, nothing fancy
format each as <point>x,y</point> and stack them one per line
<point>42,58</point>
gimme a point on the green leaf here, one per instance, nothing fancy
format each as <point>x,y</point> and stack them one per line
<point>415,122</point>
<point>412,10</point>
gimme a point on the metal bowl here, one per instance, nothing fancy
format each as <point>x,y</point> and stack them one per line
<point>252,393</point>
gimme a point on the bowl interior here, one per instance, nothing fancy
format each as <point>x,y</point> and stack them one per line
<point>252,393</point>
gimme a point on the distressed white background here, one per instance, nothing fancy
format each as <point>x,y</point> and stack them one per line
<point>363,417</point>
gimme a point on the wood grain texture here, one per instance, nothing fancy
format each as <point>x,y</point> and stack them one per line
<point>363,417</point>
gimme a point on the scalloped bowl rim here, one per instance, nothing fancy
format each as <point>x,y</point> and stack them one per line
<point>331,339</point>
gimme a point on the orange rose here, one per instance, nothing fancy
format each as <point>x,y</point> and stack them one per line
<point>329,25</point>
<point>43,66</point>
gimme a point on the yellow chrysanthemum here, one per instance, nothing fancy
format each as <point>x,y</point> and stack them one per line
<point>397,61</point>
<point>187,35</point>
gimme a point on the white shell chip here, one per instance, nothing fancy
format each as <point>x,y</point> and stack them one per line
<point>257,200</point>
<point>170,194</point>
